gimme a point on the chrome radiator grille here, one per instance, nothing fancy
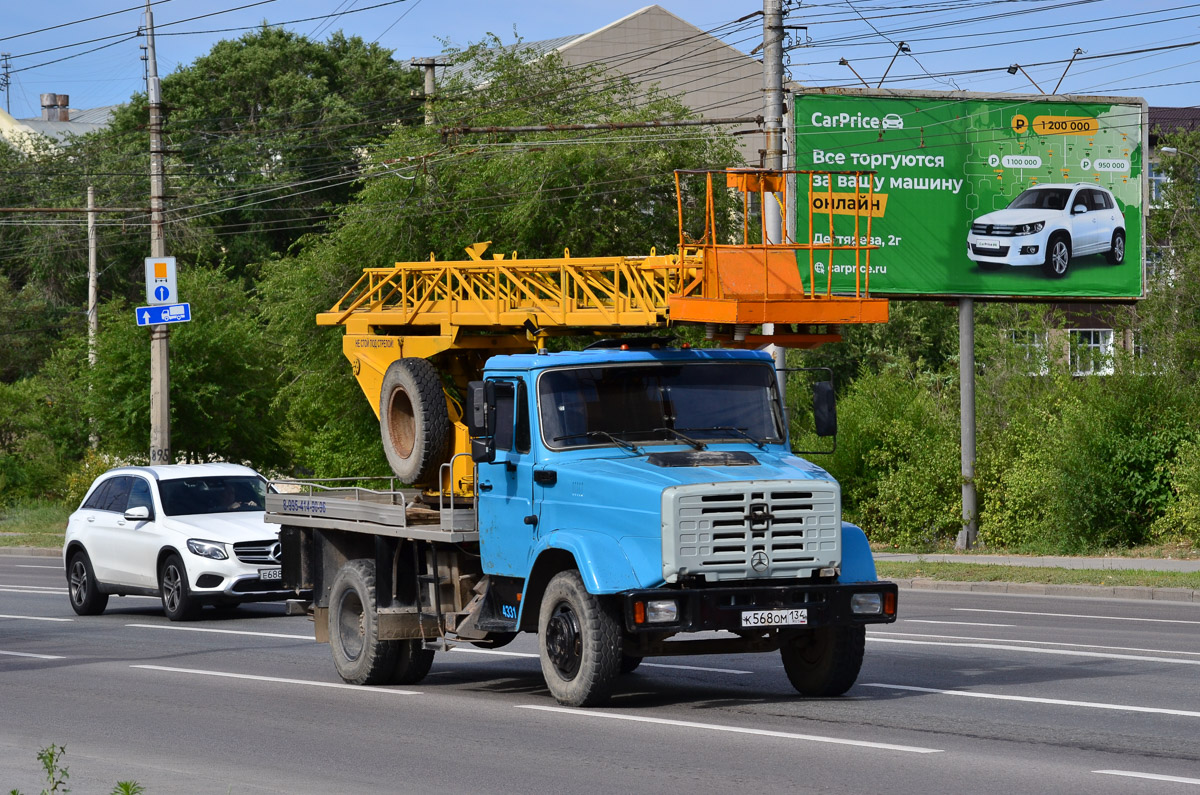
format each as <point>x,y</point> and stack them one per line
<point>750,530</point>
<point>261,552</point>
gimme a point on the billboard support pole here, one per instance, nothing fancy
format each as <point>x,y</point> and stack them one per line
<point>966,404</point>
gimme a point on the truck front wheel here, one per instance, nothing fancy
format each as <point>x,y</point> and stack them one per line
<point>824,662</point>
<point>579,637</point>
<point>360,657</point>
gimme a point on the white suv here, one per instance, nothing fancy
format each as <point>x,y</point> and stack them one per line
<point>192,533</point>
<point>1049,225</point>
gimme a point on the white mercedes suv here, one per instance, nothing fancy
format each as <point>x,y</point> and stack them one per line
<point>192,534</point>
<point>1049,225</point>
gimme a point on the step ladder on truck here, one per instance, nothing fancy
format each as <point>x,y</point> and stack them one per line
<point>634,499</point>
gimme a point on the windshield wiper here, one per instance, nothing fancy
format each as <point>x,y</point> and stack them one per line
<point>627,445</point>
<point>740,432</point>
<point>693,442</point>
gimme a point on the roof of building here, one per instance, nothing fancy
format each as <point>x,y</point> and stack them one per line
<point>536,49</point>
<point>1174,119</point>
<point>82,121</point>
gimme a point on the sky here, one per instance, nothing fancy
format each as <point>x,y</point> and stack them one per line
<point>953,44</point>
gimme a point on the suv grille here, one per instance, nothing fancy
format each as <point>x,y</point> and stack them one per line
<point>995,230</point>
<point>738,531</point>
<point>261,552</point>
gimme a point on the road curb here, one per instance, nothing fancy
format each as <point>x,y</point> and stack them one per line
<point>32,552</point>
<point>1042,589</point>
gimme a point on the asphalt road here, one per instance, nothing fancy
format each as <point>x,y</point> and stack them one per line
<point>966,693</point>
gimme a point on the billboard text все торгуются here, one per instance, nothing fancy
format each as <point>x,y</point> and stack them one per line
<point>1014,196</point>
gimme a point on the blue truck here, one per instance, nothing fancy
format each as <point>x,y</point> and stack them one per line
<point>627,502</point>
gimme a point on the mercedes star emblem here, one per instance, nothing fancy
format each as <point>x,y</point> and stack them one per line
<point>759,561</point>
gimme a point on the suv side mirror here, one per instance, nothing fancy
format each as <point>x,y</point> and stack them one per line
<point>139,513</point>
<point>824,409</point>
<point>481,420</point>
<point>1079,209</point>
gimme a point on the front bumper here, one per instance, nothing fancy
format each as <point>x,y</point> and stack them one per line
<point>216,581</point>
<point>1018,250</point>
<point>703,609</point>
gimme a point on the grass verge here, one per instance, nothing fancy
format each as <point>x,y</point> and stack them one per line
<point>39,523</point>
<point>985,572</point>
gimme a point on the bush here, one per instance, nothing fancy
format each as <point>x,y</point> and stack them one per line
<point>897,458</point>
<point>1181,519</point>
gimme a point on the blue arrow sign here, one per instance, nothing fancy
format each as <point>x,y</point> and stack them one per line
<point>161,293</point>
<point>167,313</point>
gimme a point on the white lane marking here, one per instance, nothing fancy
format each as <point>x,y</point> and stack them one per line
<point>1030,650</point>
<point>955,623</point>
<point>652,665</point>
<point>32,589</point>
<point>695,668</point>
<point>277,679</point>
<point>31,566</point>
<point>34,656</point>
<point>1072,615</point>
<point>687,724</point>
<point>37,618</point>
<point>1151,776</point>
<point>1043,643</point>
<point>220,631</point>
<point>462,650</point>
<point>1061,702</point>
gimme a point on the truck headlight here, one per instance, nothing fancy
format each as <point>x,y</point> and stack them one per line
<point>866,604</point>
<point>207,549</point>
<point>656,611</point>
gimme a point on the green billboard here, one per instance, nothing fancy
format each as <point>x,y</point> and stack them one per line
<point>972,196</point>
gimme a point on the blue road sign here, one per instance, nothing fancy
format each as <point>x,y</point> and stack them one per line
<point>167,313</point>
<point>161,293</point>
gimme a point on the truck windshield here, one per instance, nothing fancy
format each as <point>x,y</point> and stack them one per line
<point>643,403</point>
<point>226,494</point>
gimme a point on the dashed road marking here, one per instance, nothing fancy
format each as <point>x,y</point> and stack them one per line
<point>34,656</point>
<point>276,680</point>
<point>1072,615</point>
<point>687,724</point>
<point>1059,702</point>
<point>221,631</point>
<point>1034,650</point>
<point>37,618</point>
<point>1151,776</point>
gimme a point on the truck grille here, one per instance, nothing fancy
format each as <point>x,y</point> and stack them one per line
<point>261,552</point>
<point>751,530</point>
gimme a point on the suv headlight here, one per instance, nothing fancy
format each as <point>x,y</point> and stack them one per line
<point>207,549</point>
<point>1030,229</point>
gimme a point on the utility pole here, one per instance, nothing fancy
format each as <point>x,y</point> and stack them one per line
<point>160,380</point>
<point>966,405</point>
<point>93,291</point>
<point>773,160</point>
<point>428,64</point>
<point>5,80</point>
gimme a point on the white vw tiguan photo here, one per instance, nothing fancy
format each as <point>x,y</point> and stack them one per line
<point>1050,225</point>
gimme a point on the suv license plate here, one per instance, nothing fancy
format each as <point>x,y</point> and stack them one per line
<point>993,244</point>
<point>774,618</point>
<point>270,574</point>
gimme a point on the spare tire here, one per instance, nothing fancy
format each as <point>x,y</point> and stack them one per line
<point>413,421</point>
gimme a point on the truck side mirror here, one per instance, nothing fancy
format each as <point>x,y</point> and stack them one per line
<point>824,409</point>
<point>481,420</point>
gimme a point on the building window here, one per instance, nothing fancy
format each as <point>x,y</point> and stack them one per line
<point>1031,346</point>
<point>1158,182</point>
<point>1091,351</point>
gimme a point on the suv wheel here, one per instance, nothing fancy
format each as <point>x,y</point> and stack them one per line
<point>1116,252</point>
<point>177,600</point>
<point>1058,256</point>
<point>86,598</point>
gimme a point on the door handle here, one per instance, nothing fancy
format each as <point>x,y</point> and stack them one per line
<point>545,477</point>
<point>484,486</point>
<point>91,518</point>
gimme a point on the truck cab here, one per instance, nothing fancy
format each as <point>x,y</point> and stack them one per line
<point>660,481</point>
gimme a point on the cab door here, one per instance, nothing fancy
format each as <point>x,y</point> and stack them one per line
<point>504,487</point>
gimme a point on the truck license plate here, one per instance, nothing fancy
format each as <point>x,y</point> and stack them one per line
<point>774,618</point>
<point>985,243</point>
<point>270,574</point>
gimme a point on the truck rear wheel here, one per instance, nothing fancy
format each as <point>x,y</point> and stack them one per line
<point>413,421</point>
<point>579,640</point>
<point>360,657</point>
<point>825,661</point>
